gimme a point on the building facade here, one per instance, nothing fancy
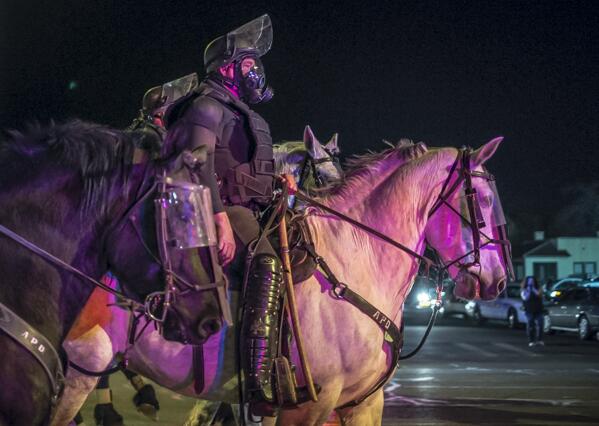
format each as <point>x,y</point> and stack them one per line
<point>563,256</point>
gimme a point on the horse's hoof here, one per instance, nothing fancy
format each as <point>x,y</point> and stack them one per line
<point>148,410</point>
<point>146,402</point>
<point>106,415</point>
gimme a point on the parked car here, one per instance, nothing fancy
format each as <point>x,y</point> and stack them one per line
<point>560,286</point>
<point>576,310</point>
<point>506,307</point>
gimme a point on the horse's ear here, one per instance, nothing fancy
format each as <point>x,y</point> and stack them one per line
<point>482,154</point>
<point>310,141</point>
<point>332,146</point>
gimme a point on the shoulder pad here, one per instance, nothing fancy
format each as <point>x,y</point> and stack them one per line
<point>177,109</point>
<point>205,112</point>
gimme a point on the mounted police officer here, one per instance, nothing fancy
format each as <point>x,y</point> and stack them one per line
<point>216,122</point>
<point>149,124</point>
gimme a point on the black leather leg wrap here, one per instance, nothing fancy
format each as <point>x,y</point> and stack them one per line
<point>259,331</point>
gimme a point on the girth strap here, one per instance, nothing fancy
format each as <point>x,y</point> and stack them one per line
<point>37,345</point>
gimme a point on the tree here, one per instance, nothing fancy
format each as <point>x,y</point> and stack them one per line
<point>580,216</point>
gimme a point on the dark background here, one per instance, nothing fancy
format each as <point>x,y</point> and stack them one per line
<point>444,72</point>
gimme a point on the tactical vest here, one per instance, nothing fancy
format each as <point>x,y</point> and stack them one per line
<point>249,182</point>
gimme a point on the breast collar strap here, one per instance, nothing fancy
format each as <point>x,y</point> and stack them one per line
<point>37,345</point>
<point>392,334</point>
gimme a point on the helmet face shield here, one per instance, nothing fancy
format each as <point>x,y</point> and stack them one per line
<point>176,89</point>
<point>253,38</point>
<point>157,99</point>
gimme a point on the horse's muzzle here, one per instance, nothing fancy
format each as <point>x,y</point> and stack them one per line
<point>176,330</point>
<point>471,286</point>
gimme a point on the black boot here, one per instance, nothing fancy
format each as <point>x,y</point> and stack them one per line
<point>260,328</point>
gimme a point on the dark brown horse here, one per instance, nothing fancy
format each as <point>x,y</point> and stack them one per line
<point>75,191</point>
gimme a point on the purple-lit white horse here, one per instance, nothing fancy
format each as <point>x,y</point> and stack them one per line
<point>395,195</point>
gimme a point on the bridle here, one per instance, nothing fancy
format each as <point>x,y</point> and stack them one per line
<point>475,220</point>
<point>172,290</point>
<point>309,164</point>
<point>158,304</point>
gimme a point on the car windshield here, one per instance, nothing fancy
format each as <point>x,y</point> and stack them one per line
<point>566,284</point>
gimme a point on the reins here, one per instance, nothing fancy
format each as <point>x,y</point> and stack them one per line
<point>58,262</point>
<point>304,197</point>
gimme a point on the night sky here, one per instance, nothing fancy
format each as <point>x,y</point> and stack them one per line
<point>447,73</point>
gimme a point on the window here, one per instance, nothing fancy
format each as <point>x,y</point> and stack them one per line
<point>585,267</point>
<point>544,270</point>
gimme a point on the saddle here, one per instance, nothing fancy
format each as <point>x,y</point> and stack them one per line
<point>302,264</point>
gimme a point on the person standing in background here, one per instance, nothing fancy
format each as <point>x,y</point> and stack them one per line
<point>533,306</point>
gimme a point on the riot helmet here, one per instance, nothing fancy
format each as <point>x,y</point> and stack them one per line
<point>251,40</point>
<point>159,98</point>
<point>152,101</point>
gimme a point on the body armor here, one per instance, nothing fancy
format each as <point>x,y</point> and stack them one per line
<point>244,182</point>
<point>243,155</point>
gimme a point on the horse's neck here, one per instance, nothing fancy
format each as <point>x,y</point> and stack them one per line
<point>396,205</point>
<point>50,218</point>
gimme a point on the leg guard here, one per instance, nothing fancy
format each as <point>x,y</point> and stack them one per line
<point>260,328</point>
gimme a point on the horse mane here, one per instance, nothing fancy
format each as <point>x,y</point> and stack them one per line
<point>94,151</point>
<point>359,168</point>
<point>288,153</point>
<point>289,147</point>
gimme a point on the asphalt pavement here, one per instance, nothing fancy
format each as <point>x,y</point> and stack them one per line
<point>473,375</point>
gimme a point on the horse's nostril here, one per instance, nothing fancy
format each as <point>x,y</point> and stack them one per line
<point>209,326</point>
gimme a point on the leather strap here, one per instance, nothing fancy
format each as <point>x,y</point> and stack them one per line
<point>37,345</point>
<point>393,334</point>
<point>198,369</point>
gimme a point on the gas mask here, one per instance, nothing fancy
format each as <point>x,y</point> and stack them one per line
<point>252,86</point>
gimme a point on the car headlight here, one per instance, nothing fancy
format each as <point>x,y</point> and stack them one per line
<point>555,293</point>
<point>424,299</point>
<point>470,305</point>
